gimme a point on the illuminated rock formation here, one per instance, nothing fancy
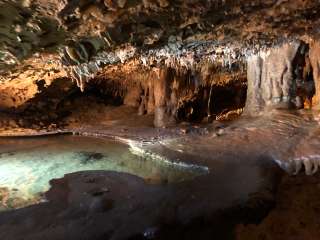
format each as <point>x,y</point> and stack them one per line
<point>272,77</point>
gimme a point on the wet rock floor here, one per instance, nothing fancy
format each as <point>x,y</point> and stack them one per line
<point>243,184</point>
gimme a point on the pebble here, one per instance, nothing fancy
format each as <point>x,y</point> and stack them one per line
<point>150,233</point>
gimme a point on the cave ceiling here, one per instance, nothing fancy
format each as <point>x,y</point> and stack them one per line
<point>87,39</point>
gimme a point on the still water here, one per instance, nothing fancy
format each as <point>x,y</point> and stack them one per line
<point>288,138</point>
<point>27,165</point>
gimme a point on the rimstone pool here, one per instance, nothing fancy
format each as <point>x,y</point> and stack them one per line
<point>27,165</point>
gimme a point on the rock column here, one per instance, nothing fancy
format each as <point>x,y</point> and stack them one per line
<point>271,78</point>
<point>163,115</point>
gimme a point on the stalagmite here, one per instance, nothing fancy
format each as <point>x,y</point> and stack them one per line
<point>142,107</point>
<point>150,103</point>
<point>162,93</point>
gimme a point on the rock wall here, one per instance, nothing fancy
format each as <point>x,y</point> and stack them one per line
<point>314,55</point>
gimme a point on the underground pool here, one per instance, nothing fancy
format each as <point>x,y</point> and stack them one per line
<point>28,164</point>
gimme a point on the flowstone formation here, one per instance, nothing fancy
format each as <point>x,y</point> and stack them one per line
<point>274,76</point>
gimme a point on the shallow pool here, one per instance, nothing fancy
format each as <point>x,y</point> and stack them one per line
<point>27,165</point>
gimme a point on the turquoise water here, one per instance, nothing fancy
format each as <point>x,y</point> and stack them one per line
<point>27,165</point>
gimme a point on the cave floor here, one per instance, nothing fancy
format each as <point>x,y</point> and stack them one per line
<point>239,190</point>
<point>296,213</point>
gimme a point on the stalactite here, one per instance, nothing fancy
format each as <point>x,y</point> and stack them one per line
<point>170,75</point>
<point>209,114</point>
